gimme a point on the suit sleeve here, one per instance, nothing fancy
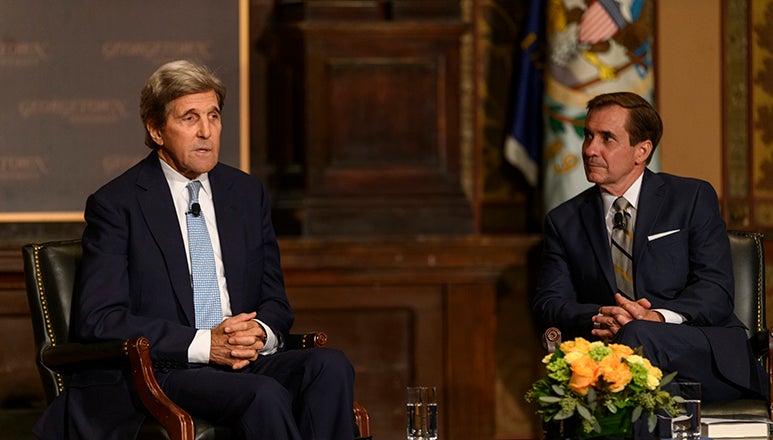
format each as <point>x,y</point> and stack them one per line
<point>109,305</point>
<point>556,302</point>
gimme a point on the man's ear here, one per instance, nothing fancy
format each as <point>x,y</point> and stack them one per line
<point>643,150</point>
<point>155,134</point>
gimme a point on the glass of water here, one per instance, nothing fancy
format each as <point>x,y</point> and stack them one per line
<point>687,423</point>
<point>421,412</point>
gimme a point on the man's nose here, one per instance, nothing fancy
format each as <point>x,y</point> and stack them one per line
<point>589,148</point>
<point>204,129</point>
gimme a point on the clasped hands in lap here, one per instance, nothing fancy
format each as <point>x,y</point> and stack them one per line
<point>610,319</point>
<point>236,341</point>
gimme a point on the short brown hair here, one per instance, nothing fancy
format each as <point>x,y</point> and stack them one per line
<point>643,123</point>
<point>169,82</point>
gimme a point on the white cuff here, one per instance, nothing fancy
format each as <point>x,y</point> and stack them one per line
<point>670,316</point>
<point>198,351</point>
<point>272,342</point>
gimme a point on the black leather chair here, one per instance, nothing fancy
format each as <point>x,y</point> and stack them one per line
<point>748,253</point>
<point>50,270</point>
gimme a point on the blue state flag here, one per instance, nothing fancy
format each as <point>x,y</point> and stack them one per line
<point>523,145</point>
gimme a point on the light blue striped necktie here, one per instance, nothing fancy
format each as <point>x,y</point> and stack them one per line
<point>206,295</point>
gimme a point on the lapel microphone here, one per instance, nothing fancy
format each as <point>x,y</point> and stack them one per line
<point>196,210</point>
<point>619,220</point>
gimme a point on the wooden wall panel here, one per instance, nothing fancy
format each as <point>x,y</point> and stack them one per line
<point>366,131</point>
<point>390,334</point>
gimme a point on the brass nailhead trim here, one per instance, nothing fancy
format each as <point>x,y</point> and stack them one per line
<point>44,307</point>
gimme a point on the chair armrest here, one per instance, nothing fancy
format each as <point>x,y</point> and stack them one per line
<point>551,339</point>
<point>177,422</point>
<point>306,340</point>
<point>69,357</point>
<point>362,420</point>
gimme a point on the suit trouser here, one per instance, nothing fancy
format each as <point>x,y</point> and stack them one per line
<point>296,394</point>
<point>687,350</point>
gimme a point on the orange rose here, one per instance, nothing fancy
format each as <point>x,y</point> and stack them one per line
<point>584,375</point>
<point>615,372</point>
<point>621,350</point>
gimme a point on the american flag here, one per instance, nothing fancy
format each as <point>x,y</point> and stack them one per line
<point>600,22</point>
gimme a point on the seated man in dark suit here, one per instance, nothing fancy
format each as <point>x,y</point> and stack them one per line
<point>644,259</point>
<point>181,249</point>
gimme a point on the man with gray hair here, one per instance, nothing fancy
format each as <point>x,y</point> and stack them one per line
<point>181,249</point>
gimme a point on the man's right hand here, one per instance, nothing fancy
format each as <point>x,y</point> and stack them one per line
<point>236,341</point>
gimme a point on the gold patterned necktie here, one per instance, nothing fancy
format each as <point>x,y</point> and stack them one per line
<point>622,247</point>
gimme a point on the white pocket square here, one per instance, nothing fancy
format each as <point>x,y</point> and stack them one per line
<point>662,234</point>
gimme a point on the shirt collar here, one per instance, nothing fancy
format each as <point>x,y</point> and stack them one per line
<point>178,182</point>
<point>631,194</point>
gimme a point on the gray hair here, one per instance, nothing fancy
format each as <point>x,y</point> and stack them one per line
<point>169,82</point>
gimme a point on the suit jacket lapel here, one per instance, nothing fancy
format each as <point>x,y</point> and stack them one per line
<point>157,208</point>
<point>595,227</point>
<point>229,227</point>
<point>651,200</point>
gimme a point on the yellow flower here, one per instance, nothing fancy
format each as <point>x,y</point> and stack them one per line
<point>579,345</point>
<point>654,374</point>
<point>584,374</point>
<point>573,356</point>
<point>653,381</point>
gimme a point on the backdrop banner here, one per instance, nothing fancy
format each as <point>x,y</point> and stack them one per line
<point>72,72</point>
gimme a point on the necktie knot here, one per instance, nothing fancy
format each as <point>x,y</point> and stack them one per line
<point>620,220</point>
<point>193,192</point>
<point>621,204</point>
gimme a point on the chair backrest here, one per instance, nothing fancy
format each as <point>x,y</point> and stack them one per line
<point>748,256</point>
<point>50,270</point>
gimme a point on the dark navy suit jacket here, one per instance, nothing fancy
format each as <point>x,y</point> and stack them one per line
<point>135,281</point>
<point>681,262</point>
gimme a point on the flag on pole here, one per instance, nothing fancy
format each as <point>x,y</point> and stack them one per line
<point>594,47</point>
<point>523,145</point>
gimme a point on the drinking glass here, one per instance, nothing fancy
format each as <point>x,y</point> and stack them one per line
<point>421,411</point>
<point>687,423</point>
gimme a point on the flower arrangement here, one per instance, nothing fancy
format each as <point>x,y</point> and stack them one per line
<point>596,380</point>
